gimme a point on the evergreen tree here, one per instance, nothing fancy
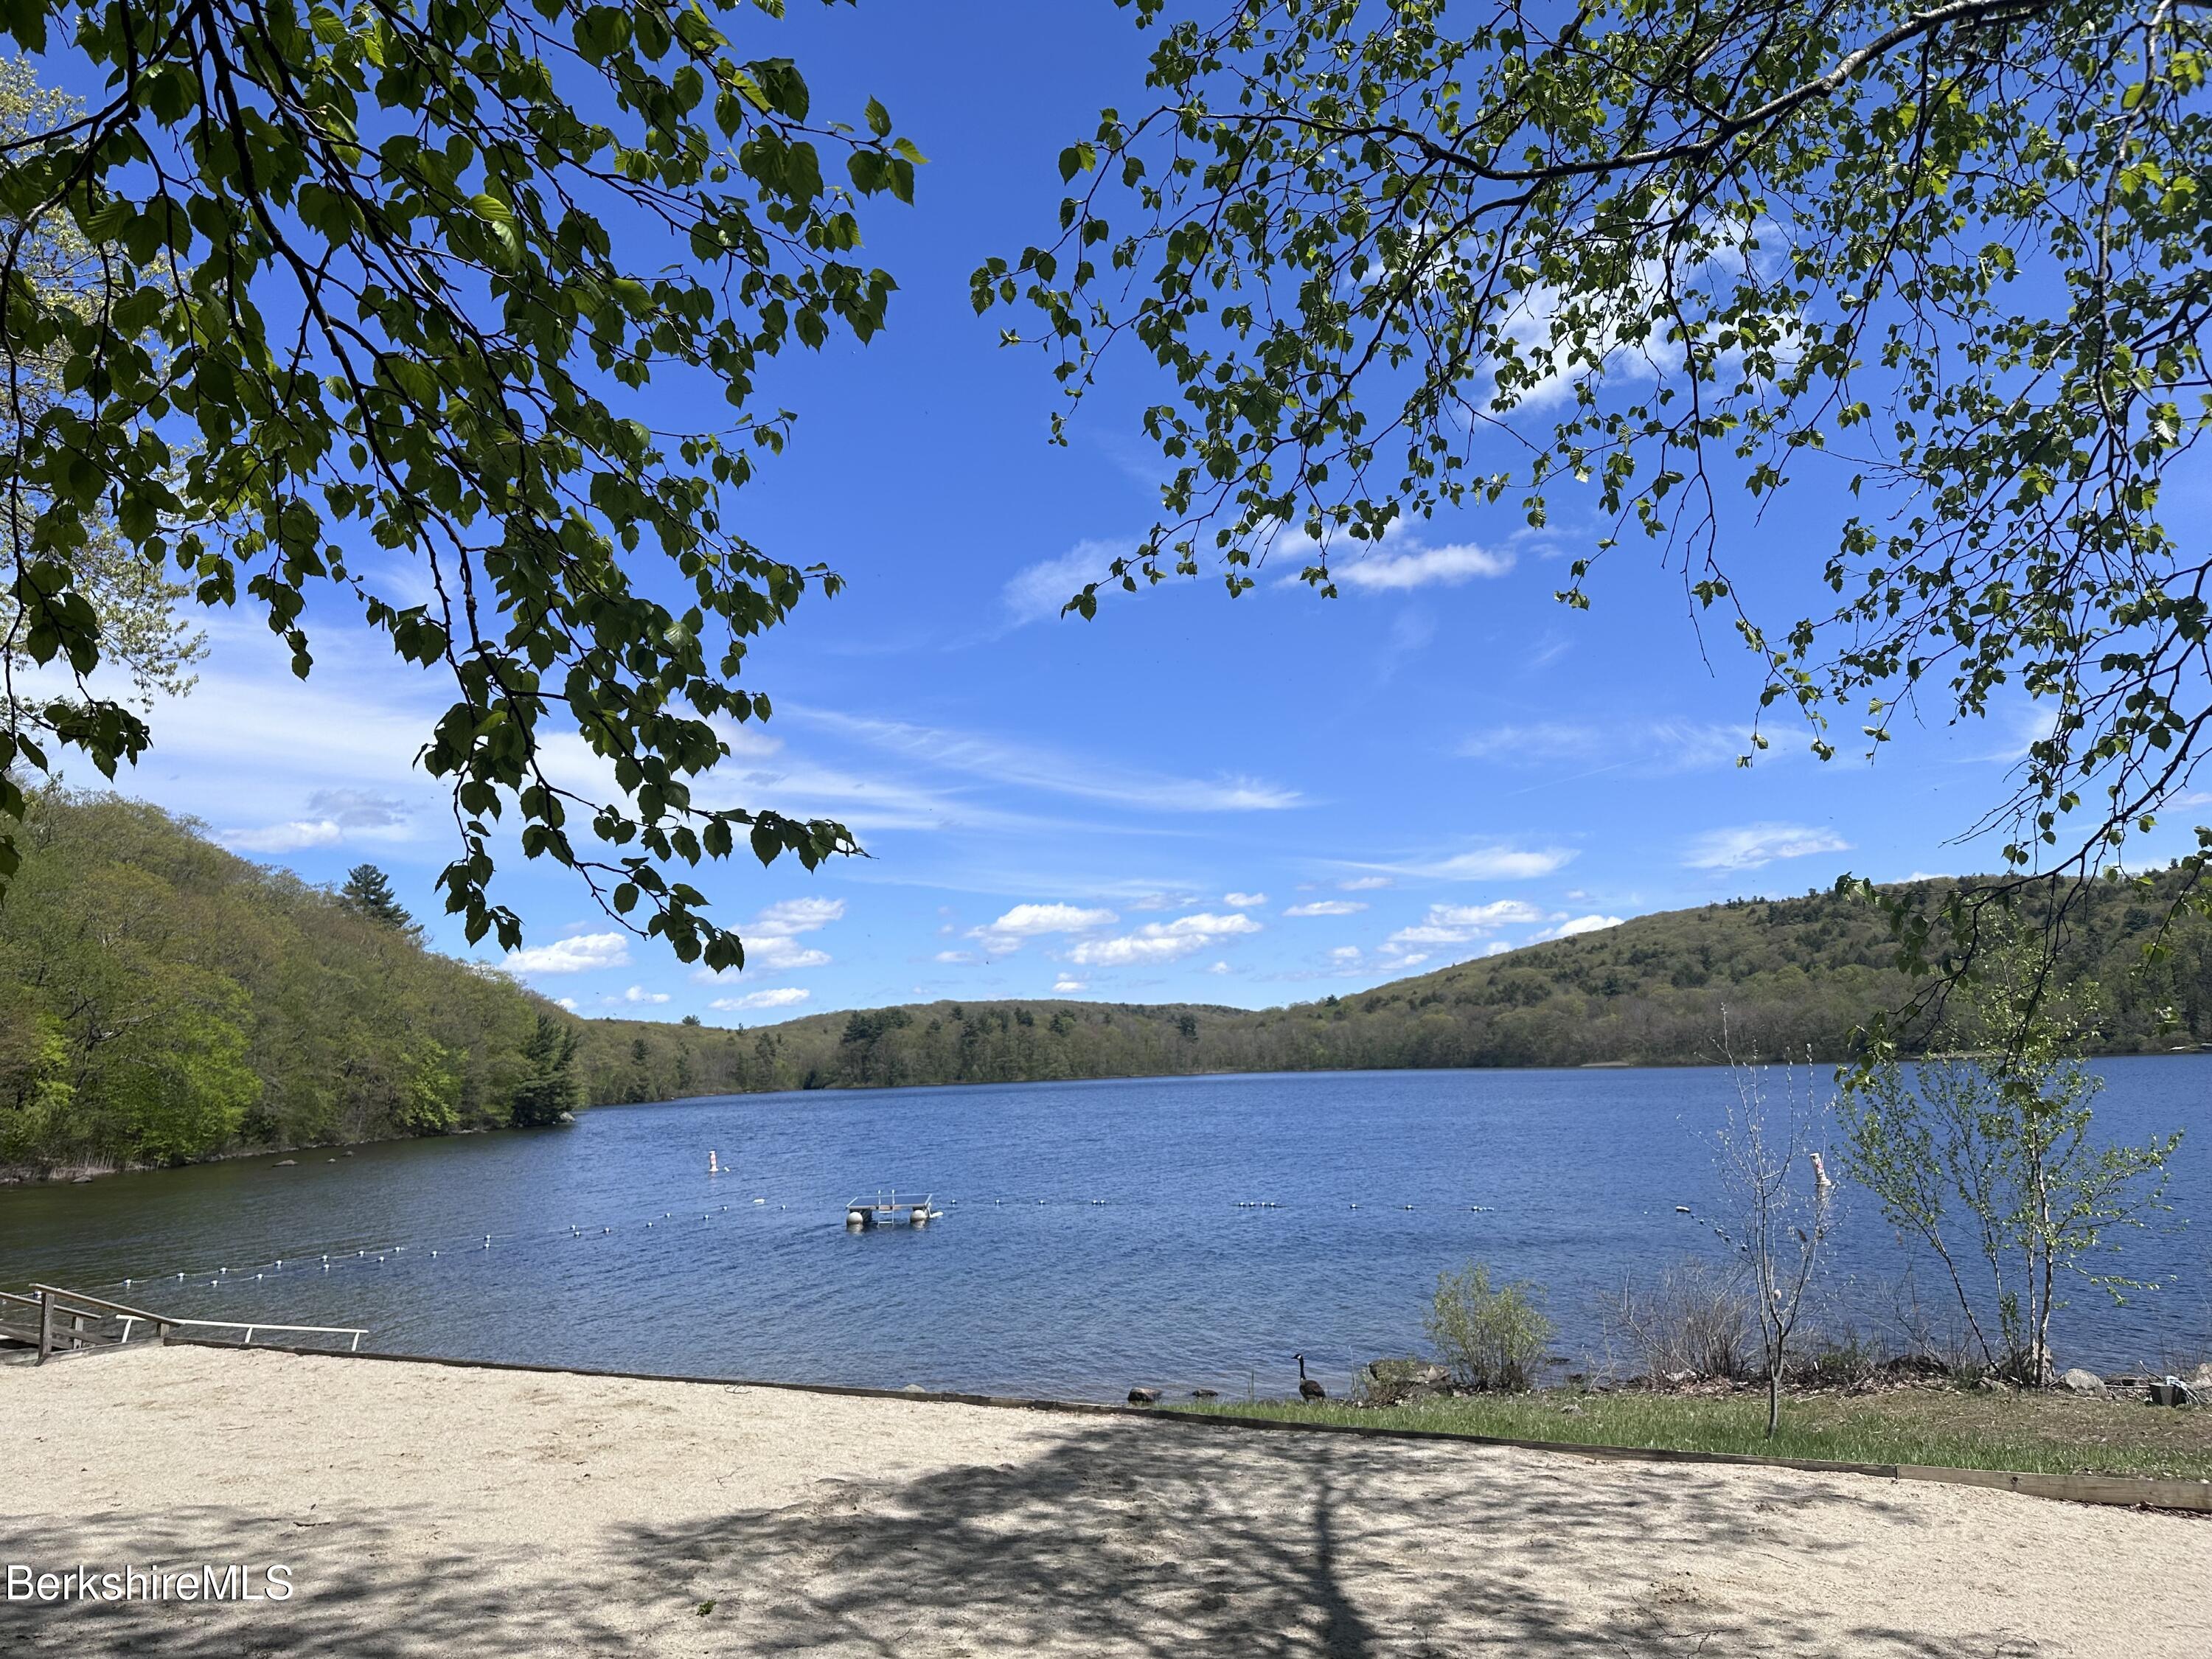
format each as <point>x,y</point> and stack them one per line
<point>549,1087</point>
<point>368,892</point>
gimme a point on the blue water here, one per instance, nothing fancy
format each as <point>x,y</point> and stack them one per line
<point>1095,1235</point>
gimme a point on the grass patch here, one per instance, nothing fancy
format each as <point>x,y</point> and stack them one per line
<point>2045,1434</point>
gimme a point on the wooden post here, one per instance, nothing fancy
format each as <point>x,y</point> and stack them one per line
<point>46,1326</point>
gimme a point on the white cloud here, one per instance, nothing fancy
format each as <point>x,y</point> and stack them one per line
<point>582,954</point>
<point>1345,953</point>
<point>1419,567</point>
<point>285,837</point>
<point>771,938</point>
<point>334,814</point>
<point>1024,921</point>
<point>799,915</point>
<point>1083,776</point>
<point>779,953</point>
<point>956,956</point>
<point>1327,908</point>
<point>1494,863</point>
<point>784,996</point>
<point>1496,947</point>
<point>1063,985</point>
<point>1364,884</point>
<point>1429,933</point>
<point>1035,593</point>
<point>1577,925</point>
<point>1406,964</point>
<point>639,993</point>
<point>1244,901</point>
<point>1486,918</point>
<point>570,1003</point>
<point>1455,923</point>
<point>1027,920</point>
<point>1220,968</point>
<point>1642,747</point>
<point>1161,941</point>
<point>1753,845</point>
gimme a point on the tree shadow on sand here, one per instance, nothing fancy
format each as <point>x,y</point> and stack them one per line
<point>1111,1538</point>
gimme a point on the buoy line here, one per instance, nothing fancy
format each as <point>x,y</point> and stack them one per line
<point>358,1253</point>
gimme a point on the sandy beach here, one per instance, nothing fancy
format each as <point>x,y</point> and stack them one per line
<point>425,1510</point>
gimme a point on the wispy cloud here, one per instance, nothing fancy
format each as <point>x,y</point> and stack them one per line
<point>1645,748</point>
<point>1327,908</point>
<point>1244,901</point>
<point>1491,863</point>
<point>1037,592</point>
<point>1364,884</point>
<point>772,941</point>
<point>584,953</point>
<point>1063,986</point>
<point>1416,566</point>
<point>1749,847</point>
<point>638,993</point>
<point>783,996</point>
<point>334,816</point>
<point>1575,925</point>
<point>1161,941</point>
<point>780,953</point>
<point>799,915</point>
<point>1083,777</point>
<point>1455,923</point>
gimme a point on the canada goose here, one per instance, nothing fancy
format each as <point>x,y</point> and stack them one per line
<point>1308,1387</point>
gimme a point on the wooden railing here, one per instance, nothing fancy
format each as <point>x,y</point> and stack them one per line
<point>51,1306</point>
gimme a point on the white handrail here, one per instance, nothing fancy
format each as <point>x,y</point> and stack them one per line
<point>130,1316</point>
<point>356,1331</point>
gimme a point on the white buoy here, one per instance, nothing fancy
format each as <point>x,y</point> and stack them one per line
<point>487,1240</point>
<point>433,1255</point>
<point>712,1166</point>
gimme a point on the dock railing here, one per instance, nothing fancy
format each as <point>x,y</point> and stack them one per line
<point>52,1304</point>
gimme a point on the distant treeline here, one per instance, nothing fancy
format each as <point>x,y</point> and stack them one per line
<point>1780,976</point>
<point>163,1000</point>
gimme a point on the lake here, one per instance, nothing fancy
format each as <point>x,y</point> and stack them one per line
<point>1175,1231</point>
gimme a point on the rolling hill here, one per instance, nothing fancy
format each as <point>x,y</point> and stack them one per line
<point>1781,975</point>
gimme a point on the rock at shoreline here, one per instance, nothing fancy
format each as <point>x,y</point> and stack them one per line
<point>285,1164</point>
<point>2078,1380</point>
<point>1205,1393</point>
<point>1144,1397</point>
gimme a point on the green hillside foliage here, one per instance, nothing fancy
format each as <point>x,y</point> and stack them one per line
<point>1763,976</point>
<point>163,1000</point>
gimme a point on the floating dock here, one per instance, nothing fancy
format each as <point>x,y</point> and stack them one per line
<point>881,1212</point>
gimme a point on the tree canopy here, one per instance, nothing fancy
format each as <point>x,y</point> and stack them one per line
<point>368,300</point>
<point>1622,271</point>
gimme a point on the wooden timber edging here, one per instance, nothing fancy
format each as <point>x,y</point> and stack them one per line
<point>2127,1491</point>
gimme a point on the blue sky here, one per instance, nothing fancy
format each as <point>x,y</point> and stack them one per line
<point>1188,798</point>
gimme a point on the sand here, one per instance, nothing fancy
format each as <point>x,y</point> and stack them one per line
<point>424,1510</point>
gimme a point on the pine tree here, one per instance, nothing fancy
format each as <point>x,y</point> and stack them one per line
<point>368,892</point>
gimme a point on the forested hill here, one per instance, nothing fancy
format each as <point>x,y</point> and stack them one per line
<point>163,1000</point>
<point>1784,975</point>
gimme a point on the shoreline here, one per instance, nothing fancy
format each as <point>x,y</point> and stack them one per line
<point>74,1174</point>
<point>428,1509</point>
<point>2127,1491</point>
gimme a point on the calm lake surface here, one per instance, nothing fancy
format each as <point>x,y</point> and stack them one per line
<point>1096,1235</point>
